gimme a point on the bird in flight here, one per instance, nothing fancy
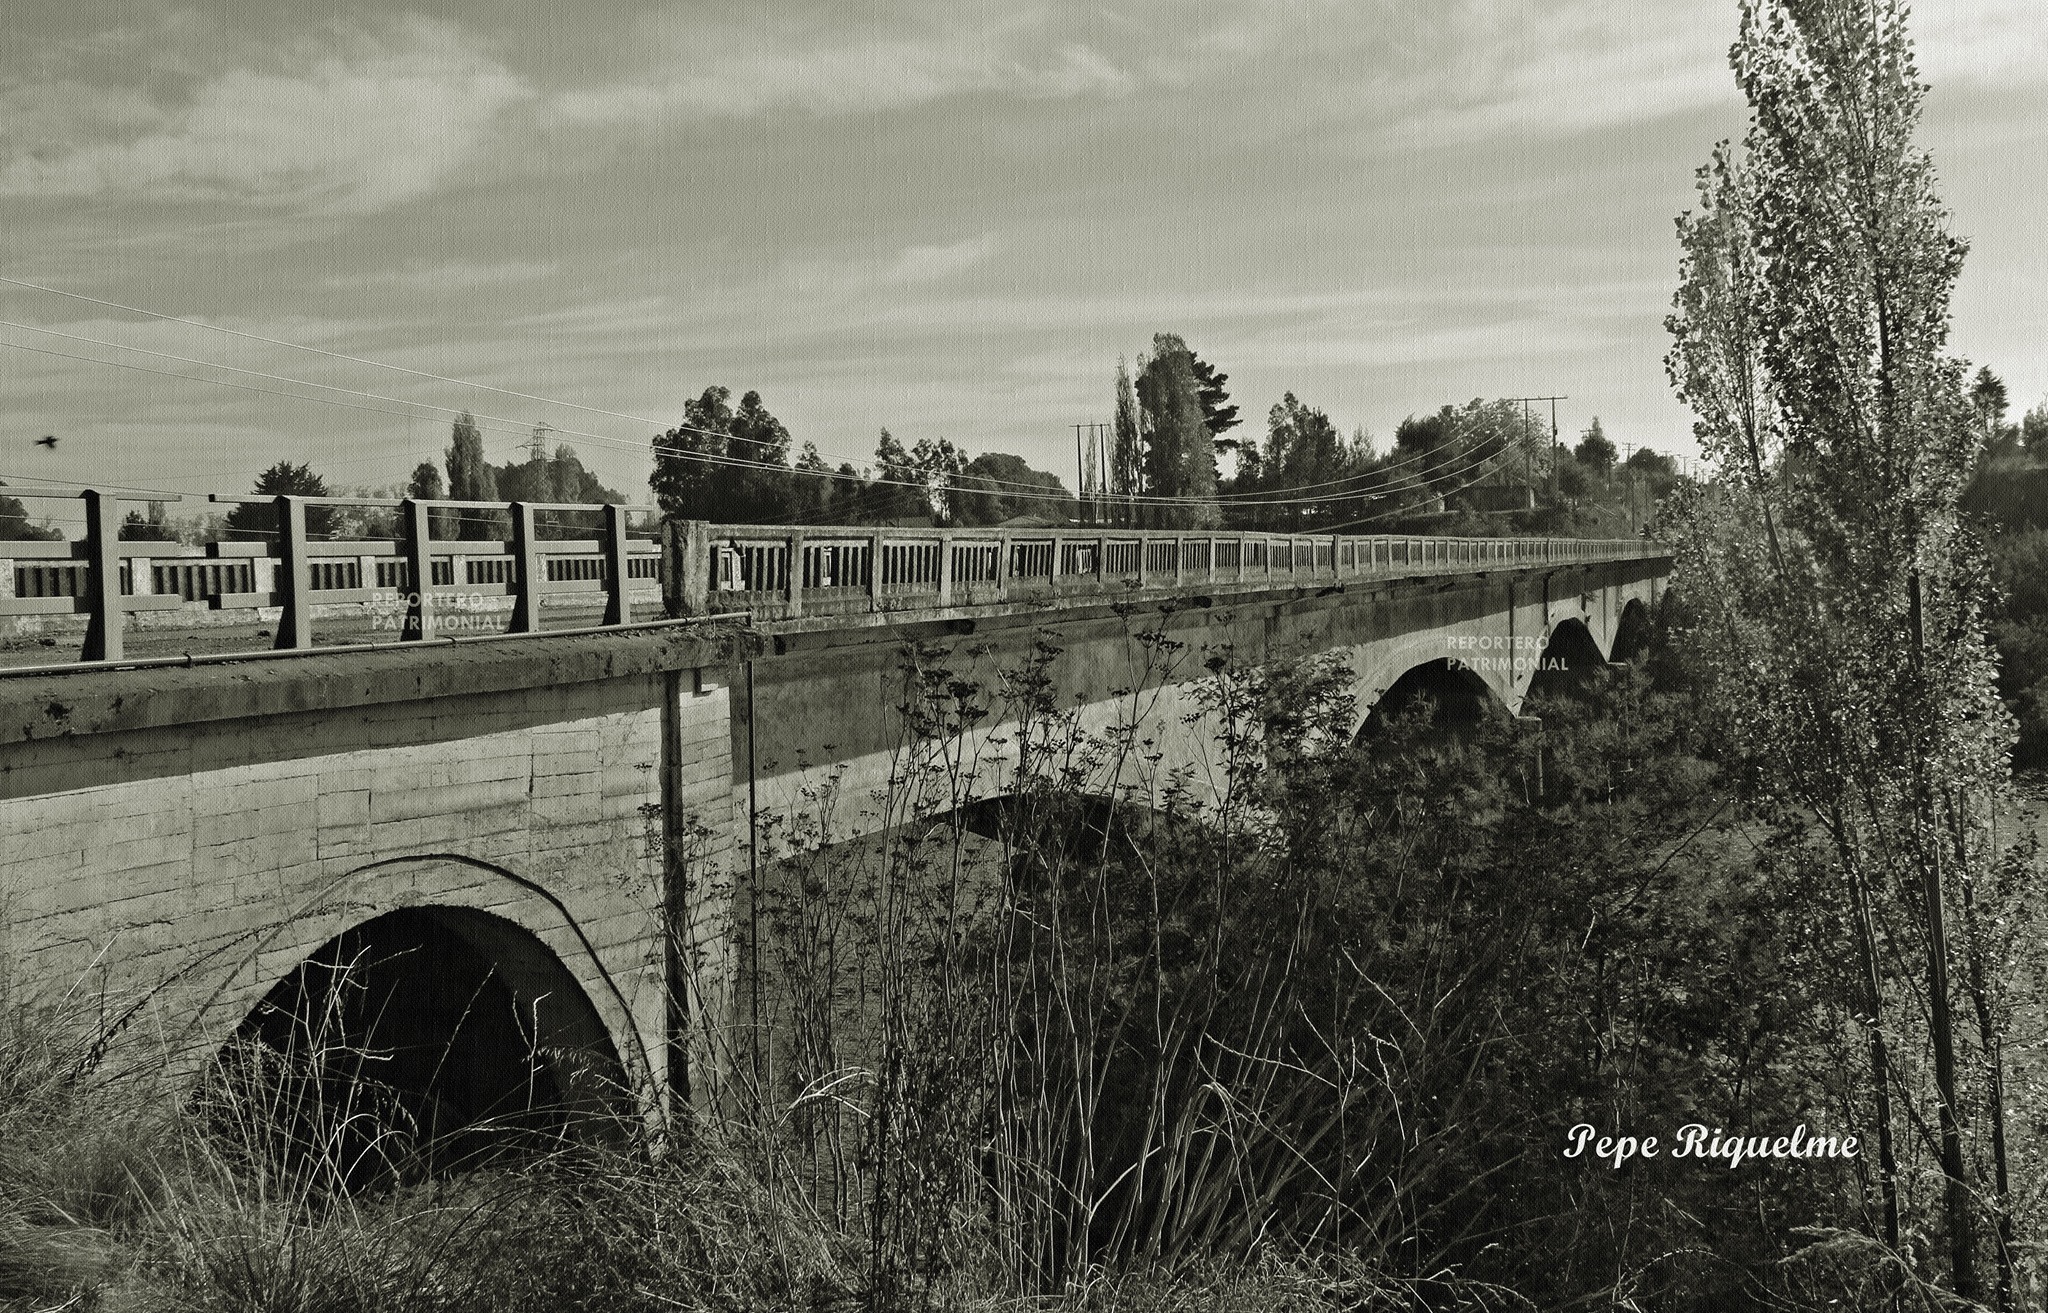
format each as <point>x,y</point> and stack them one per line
<point>47,440</point>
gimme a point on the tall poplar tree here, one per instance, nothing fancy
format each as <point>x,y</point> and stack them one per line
<point>1839,594</point>
<point>471,478</point>
<point>1127,448</point>
<point>1180,451</point>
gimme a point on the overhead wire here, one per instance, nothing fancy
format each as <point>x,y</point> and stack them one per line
<point>1009,488</point>
<point>1353,486</point>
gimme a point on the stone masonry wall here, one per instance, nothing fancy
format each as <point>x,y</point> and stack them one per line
<point>171,874</point>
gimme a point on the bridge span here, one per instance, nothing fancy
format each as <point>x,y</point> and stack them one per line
<point>531,826</point>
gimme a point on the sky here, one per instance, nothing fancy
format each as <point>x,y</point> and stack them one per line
<point>944,217</point>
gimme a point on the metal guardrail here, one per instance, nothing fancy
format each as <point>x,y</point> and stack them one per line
<point>696,568</point>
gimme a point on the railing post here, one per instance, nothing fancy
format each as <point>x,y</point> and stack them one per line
<point>1144,561</point>
<point>1003,570</point>
<point>945,570</point>
<point>685,567</point>
<point>1180,560</point>
<point>294,575</point>
<point>875,571</point>
<point>793,572</point>
<point>526,570</point>
<point>415,533</point>
<point>102,577</point>
<point>618,609</point>
<point>1101,561</point>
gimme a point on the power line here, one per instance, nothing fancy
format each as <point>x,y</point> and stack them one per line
<point>1022,491</point>
<point>1353,485</point>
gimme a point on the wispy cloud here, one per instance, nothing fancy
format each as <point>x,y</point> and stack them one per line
<point>357,122</point>
<point>924,264</point>
<point>762,63</point>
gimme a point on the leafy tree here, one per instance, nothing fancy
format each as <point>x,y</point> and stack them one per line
<point>1595,451</point>
<point>1303,450</point>
<point>1479,442</point>
<point>761,494</point>
<point>987,494</point>
<point>1217,412</point>
<point>745,481</point>
<point>471,478</point>
<point>938,465</point>
<point>812,488</point>
<point>1988,397</point>
<point>16,526</point>
<point>687,488</point>
<point>1652,464</point>
<point>899,497</point>
<point>2034,430</point>
<point>1842,602</point>
<point>1180,451</point>
<point>1127,447</point>
<point>425,483</point>
<point>559,477</point>
<point>249,522</point>
<point>149,528</point>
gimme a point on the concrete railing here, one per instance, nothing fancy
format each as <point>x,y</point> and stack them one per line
<point>296,577</point>
<point>695,568</point>
<point>776,573</point>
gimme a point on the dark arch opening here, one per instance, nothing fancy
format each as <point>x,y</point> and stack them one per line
<point>1634,632</point>
<point>1570,664</point>
<point>424,1040</point>
<point>1446,695</point>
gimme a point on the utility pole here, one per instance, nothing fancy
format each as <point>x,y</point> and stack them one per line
<point>1527,476</point>
<point>1628,483</point>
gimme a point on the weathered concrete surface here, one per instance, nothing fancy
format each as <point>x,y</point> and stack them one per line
<point>830,741</point>
<point>178,840</point>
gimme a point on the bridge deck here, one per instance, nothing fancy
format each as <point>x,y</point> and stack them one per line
<point>548,567</point>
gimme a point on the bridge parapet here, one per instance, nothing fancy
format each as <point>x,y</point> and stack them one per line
<point>777,573</point>
<point>536,557</point>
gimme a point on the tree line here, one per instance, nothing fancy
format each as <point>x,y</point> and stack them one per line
<point>732,464</point>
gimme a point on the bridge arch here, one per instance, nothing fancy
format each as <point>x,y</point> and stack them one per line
<point>1634,629</point>
<point>431,1034</point>
<point>1459,694</point>
<point>466,993</point>
<point>1570,657</point>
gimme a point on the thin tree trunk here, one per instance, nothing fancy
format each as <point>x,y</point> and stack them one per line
<point>1956,1195</point>
<point>1992,1042</point>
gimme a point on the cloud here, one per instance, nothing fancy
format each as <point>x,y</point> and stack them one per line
<point>445,276</point>
<point>362,122</point>
<point>924,264</point>
<point>763,65</point>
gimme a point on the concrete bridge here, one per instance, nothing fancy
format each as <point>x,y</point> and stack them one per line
<point>525,833</point>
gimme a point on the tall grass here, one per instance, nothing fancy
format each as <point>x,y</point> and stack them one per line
<point>1062,1029</point>
<point>1073,1013</point>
